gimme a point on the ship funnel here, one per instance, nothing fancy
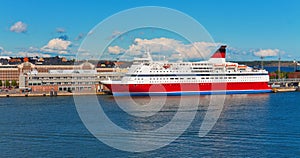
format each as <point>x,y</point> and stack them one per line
<point>220,53</point>
<point>219,56</point>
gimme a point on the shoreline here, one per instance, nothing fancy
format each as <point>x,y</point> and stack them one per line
<point>6,95</point>
<point>47,94</point>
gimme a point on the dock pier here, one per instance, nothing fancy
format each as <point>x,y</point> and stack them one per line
<point>285,84</point>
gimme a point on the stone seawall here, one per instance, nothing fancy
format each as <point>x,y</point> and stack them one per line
<point>46,94</point>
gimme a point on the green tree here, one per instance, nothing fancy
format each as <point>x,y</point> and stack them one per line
<point>282,74</point>
<point>7,83</point>
<point>14,83</point>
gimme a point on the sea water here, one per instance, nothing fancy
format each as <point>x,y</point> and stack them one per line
<point>256,125</point>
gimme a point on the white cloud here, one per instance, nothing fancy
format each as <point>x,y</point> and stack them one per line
<point>267,52</point>
<point>167,47</point>
<point>83,54</point>
<point>197,49</point>
<point>155,45</point>
<point>60,30</point>
<point>32,54</point>
<point>115,50</point>
<point>57,45</point>
<point>4,52</point>
<point>33,49</point>
<point>19,27</point>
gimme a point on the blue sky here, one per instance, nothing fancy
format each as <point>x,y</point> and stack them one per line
<point>246,26</point>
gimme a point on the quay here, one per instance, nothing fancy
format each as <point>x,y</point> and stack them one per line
<point>285,85</point>
<point>47,94</point>
<point>285,81</point>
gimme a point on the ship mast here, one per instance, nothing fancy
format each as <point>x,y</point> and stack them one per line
<point>262,62</point>
<point>295,65</point>
<point>279,66</point>
<point>149,55</point>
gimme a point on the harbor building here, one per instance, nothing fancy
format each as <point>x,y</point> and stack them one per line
<point>61,81</point>
<point>57,74</point>
<point>62,78</point>
<point>9,74</point>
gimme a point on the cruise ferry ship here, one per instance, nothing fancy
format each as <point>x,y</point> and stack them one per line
<point>214,76</point>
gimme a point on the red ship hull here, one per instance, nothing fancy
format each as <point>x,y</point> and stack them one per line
<point>189,88</point>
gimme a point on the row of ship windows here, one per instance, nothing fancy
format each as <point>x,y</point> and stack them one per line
<point>167,84</point>
<point>161,71</point>
<point>194,81</point>
<point>203,78</point>
<point>202,68</point>
<point>140,78</point>
<point>202,64</point>
<point>194,70</point>
<point>187,64</point>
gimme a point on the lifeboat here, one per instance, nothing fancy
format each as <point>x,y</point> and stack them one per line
<point>231,65</point>
<point>219,65</point>
<point>242,67</point>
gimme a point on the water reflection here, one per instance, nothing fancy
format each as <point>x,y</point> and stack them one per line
<point>242,124</point>
<point>149,113</point>
<point>232,104</point>
<point>249,126</point>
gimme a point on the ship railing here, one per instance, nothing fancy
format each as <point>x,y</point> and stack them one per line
<point>285,80</point>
